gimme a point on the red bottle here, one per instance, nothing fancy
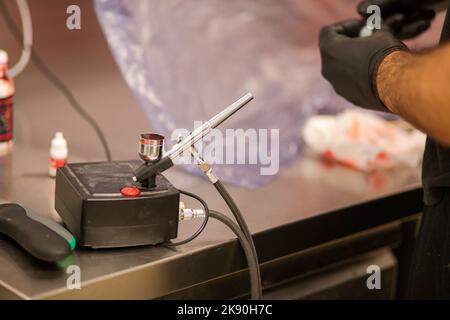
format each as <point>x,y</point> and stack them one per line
<point>6,106</point>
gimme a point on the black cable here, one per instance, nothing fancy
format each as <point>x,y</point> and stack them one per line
<point>202,226</point>
<point>58,83</point>
<point>241,222</point>
<point>252,261</point>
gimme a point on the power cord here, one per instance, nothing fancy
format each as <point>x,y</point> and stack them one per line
<point>58,83</point>
<point>208,172</point>
<point>242,224</point>
<point>252,260</point>
<point>27,28</point>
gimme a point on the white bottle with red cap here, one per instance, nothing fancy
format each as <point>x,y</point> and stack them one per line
<point>6,106</point>
<point>58,153</point>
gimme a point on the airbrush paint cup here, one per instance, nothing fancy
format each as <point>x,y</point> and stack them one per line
<point>151,147</point>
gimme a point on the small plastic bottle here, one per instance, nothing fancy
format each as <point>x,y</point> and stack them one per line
<point>58,153</point>
<point>6,106</point>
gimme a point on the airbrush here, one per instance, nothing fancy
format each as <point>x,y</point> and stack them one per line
<point>128,203</point>
<point>150,168</point>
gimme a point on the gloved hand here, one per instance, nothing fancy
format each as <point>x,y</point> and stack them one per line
<point>406,18</point>
<point>350,63</point>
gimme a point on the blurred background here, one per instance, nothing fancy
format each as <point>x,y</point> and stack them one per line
<point>84,61</point>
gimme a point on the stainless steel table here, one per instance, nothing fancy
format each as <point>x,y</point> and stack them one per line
<point>306,205</point>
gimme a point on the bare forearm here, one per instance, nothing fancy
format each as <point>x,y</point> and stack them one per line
<point>417,87</point>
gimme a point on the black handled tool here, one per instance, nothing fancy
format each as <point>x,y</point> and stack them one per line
<point>41,237</point>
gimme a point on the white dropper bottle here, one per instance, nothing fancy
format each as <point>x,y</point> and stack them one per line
<point>58,153</point>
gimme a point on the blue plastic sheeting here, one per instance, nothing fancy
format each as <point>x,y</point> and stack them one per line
<point>186,60</point>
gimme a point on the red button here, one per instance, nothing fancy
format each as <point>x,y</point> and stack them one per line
<point>130,192</point>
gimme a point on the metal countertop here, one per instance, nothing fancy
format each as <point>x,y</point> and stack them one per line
<point>307,204</point>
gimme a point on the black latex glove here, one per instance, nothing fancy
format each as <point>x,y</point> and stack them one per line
<point>350,63</point>
<point>406,18</point>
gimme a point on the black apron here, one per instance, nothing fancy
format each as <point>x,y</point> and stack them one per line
<point>430,272</point>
